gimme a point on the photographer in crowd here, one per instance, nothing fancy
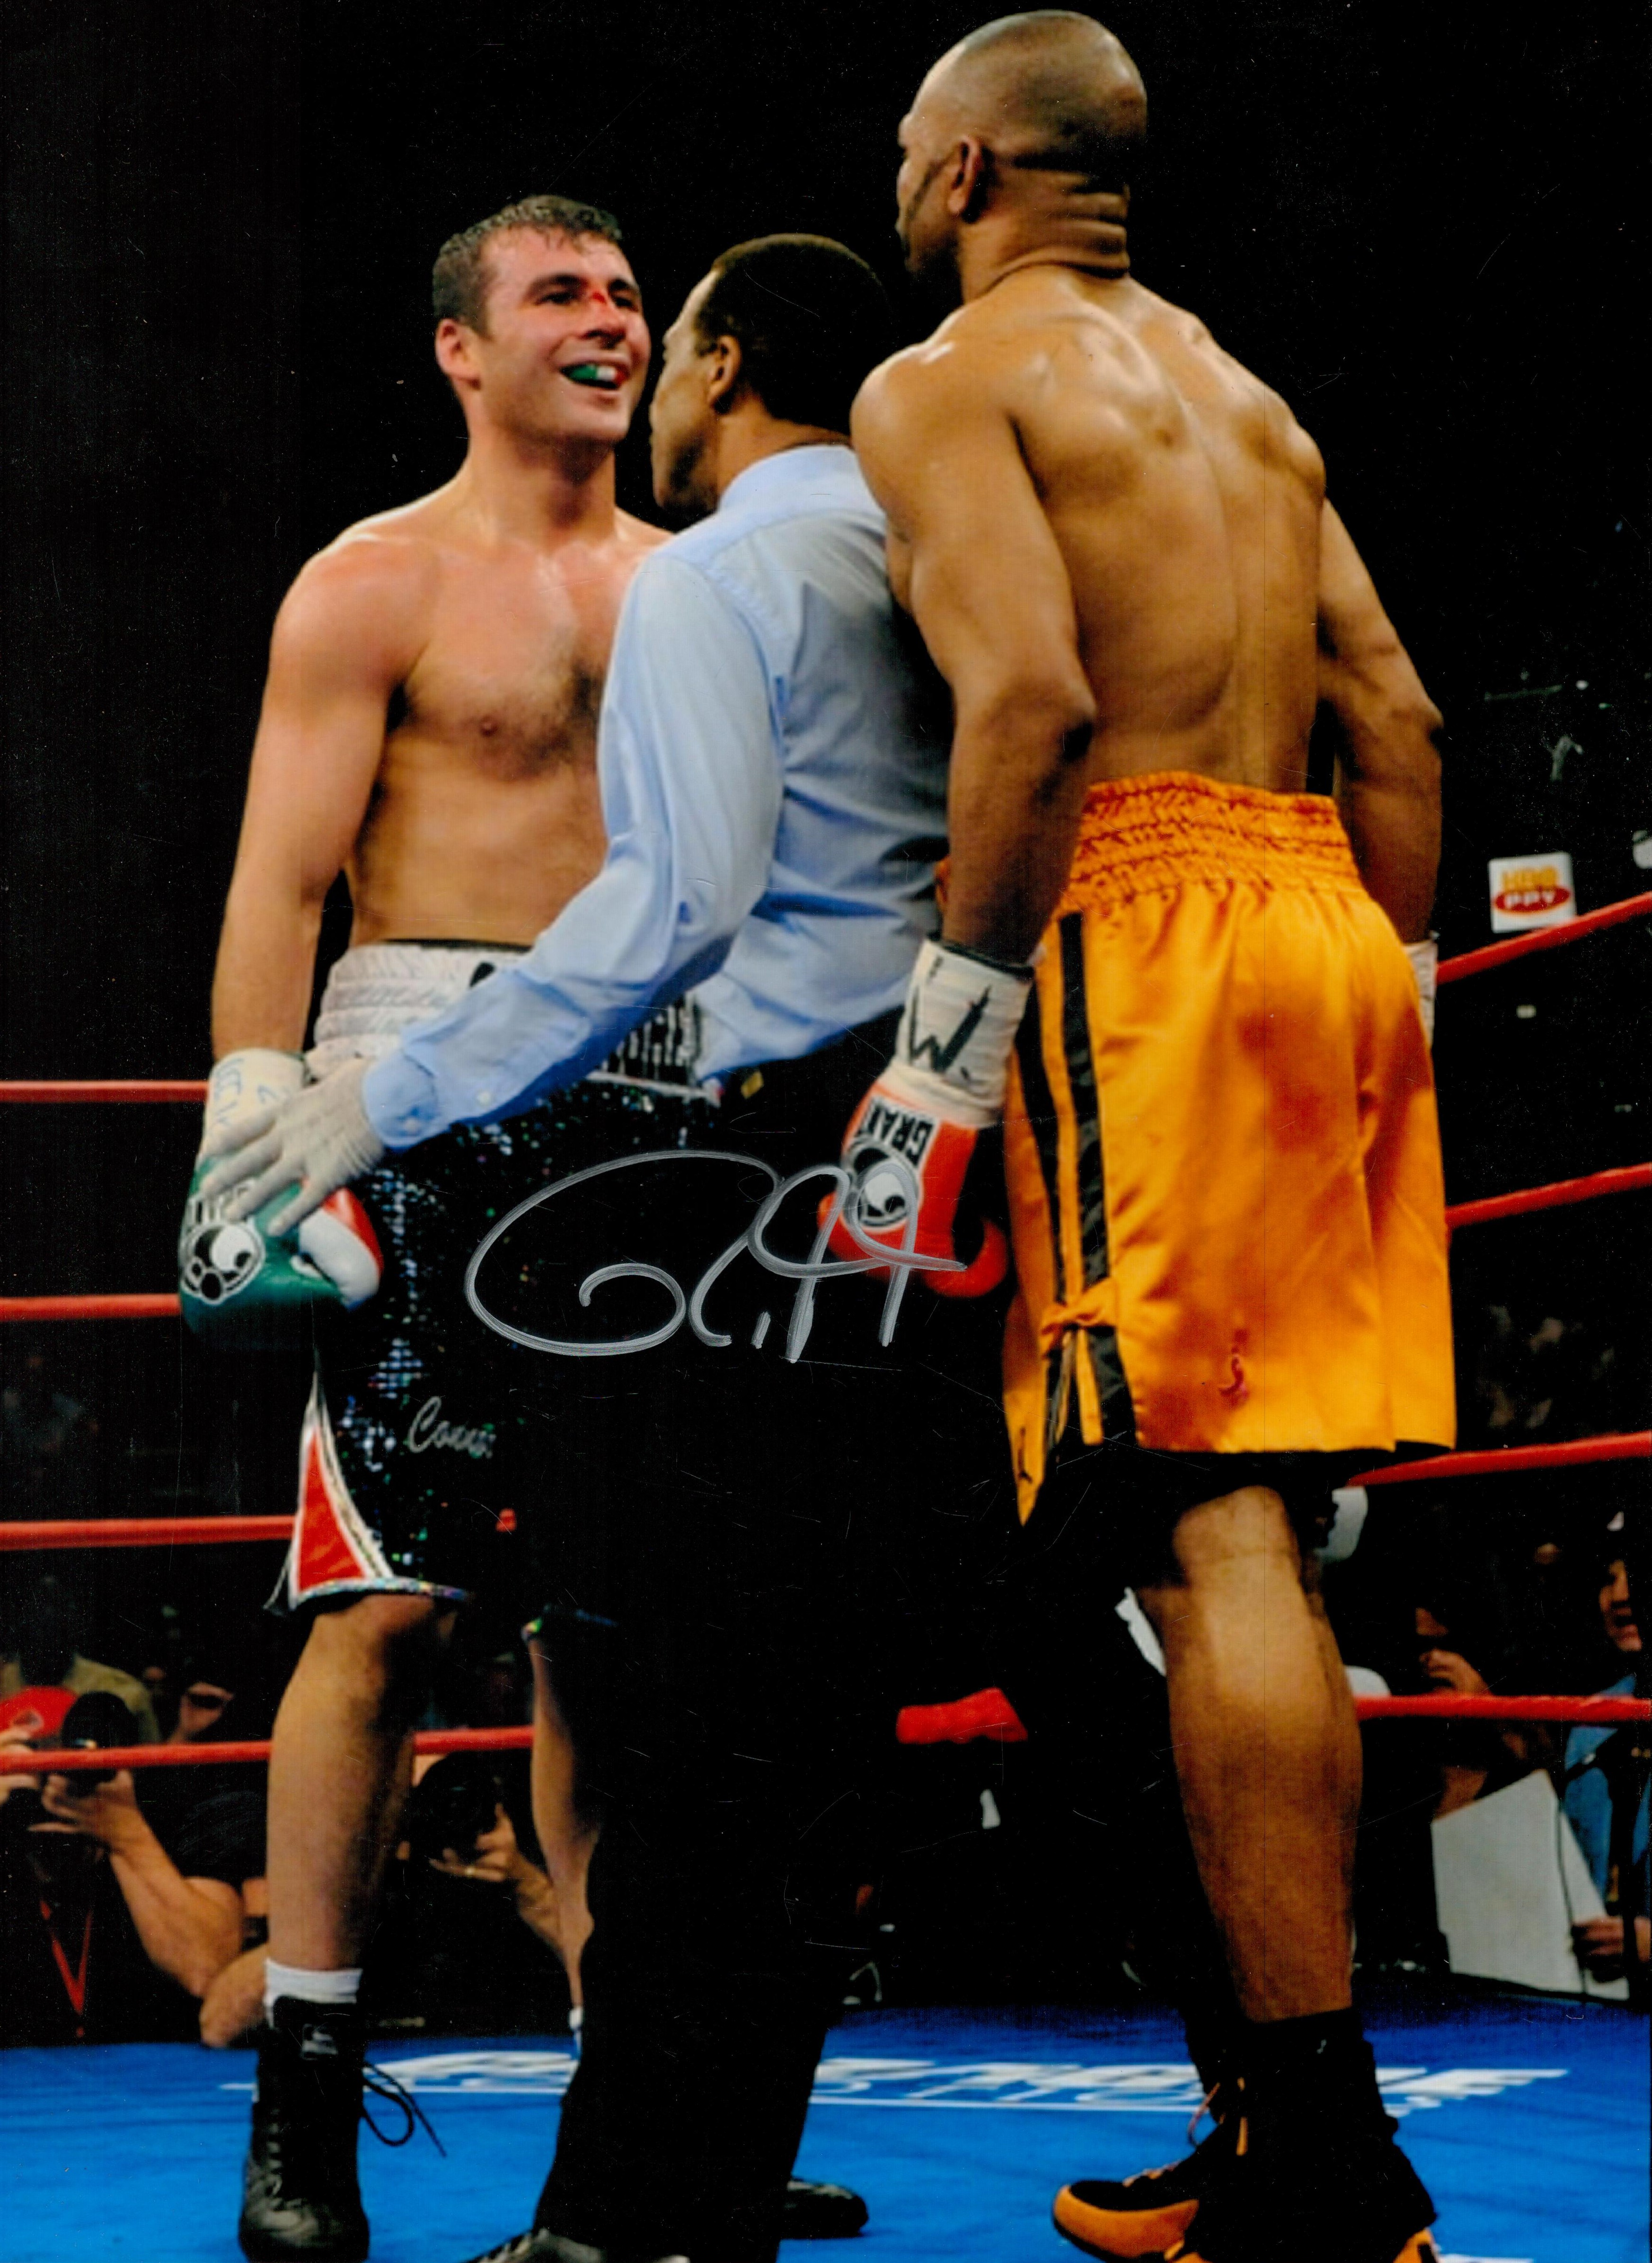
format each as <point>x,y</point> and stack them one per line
<point>449,1954</point>
<point>118,1911</point>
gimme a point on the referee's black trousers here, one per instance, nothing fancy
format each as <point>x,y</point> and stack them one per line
<point>726,1545</point>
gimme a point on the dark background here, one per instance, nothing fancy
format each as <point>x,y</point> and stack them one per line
<point>1421,223</point>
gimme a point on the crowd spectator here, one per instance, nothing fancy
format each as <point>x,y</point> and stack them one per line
<point>40,1650</point>
<point>1474,1758</point>
<point>160,1660</point>
<point>161,1683</point>
<point>1555,1627</point>
<point>122,1903</point>
<point>453,1948</point>
<point>109,1925</point>
<point>1591,1782</point>
<point>450,1953</point>
<point>118,1909</point>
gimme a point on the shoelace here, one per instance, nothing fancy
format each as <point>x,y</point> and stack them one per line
<point>1201,2110</point>
<point>1195,2119</point>
<point>378,2082</point>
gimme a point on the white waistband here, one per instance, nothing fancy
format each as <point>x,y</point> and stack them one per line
<point>376,991</point>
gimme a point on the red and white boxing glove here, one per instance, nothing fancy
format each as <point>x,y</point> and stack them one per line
<point>915,1137</point>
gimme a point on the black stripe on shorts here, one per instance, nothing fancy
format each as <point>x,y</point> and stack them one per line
<point>1040,1118</point>
<point>1086,1107</point>
<point>1118,1414</point>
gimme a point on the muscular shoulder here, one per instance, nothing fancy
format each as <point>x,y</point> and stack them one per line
<point>995,358</point>
<point>369,592</point>
<point>926,382</point>
<point>1203,371</point>
<point>918,411</point>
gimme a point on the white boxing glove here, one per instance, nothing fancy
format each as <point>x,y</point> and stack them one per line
<point>246,1084</point>
<point>1424,958</point>
<point>241,1285</point>
<point>295,1155</point>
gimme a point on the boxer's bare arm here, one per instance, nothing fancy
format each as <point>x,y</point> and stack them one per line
<point>973,558</point>
<point>1388,765</point>
<point>346,636</point>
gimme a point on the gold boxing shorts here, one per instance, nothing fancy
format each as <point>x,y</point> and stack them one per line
<point>1223,1156</point>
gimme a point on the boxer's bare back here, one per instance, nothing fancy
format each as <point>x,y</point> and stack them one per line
<point>429,719</point>
<point>1102,518</point>
<point>1184,501</point>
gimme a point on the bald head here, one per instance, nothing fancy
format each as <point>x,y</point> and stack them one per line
<point>1050,89</point>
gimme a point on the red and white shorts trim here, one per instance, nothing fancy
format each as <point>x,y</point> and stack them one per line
<point>335,1551</point>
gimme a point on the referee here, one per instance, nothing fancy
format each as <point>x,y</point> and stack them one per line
<point>738,1466</point>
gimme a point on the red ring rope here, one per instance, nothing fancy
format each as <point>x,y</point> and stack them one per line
<point>145,1756</point>
<point>915,1725</point>
<point>1443,1705</point>
<point>1620,1446</point>
<point>1544,938</point>
<point>142,1306</point>
<point>989,1713</point>
<point>140,1531</point>
<point>1631,1179</point>
<point>118,1089</point>
<point>109,1088</point>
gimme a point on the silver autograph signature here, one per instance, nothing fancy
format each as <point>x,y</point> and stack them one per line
<point>845,1203</point>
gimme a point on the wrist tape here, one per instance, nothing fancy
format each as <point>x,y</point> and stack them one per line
<point>1425,958</point>
<point>246,1083</point>
<point>959,1022</point>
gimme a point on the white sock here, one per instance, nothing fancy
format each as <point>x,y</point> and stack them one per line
<point>338,1987</point>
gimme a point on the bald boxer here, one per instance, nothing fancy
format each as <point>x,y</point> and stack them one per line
<point>429,729</point>
<point>1184,988</point>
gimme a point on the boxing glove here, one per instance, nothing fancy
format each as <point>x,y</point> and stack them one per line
<point>241,1286</point>
<point>914,1150</point>
<point>1424,961</point>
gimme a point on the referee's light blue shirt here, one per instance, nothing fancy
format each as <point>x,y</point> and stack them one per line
<point>772,758</point>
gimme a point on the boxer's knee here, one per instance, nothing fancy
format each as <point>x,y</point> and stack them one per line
<point>388,1643</point>
<point>1236,1537</point>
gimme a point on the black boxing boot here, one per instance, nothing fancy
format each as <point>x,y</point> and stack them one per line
<point>1147,2215</point>
<point>540,2246</point>
<point>817,2211</point>
<point>1313,2174</point>
<point>300,2194</point>
<point>811,2211</point>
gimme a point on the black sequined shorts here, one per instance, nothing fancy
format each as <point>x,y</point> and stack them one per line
<point>425,1425</point>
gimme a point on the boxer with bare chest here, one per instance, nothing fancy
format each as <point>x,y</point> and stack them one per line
<point>429,730</point>
<point>429,723</point>
<point>1222,1163</point>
